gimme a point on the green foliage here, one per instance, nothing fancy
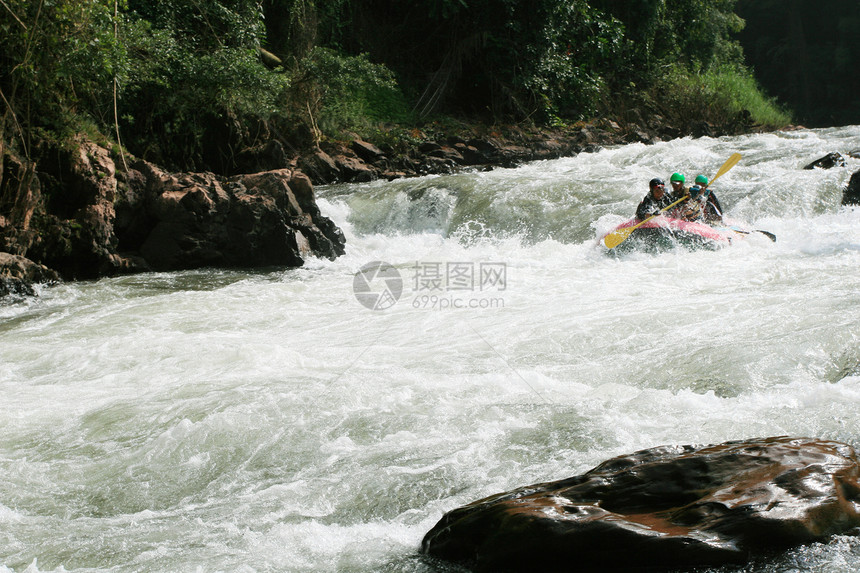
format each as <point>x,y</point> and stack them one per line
<point>567,62</point>
<point>744,93</point>
<point>60,59</point>
<point>719,96</point>
<point>353,91</point>
<point>191,89</point>
<point>196,76</point>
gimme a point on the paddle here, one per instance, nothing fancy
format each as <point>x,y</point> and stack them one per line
<point>615,238</point>
<point>767,234</point>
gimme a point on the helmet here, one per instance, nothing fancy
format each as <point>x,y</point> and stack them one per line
<point>677,177</point>
<point>694,191</point>
<point>655,182</point>
<point>701,179</point>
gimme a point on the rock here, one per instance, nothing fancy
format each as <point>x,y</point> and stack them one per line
<point>639,136</point>
<point>470,154</point>
<point>702,129</point>
<point>447,153</point>
<point>661,508</point>
<point>191,220</point>
<point>353,169</point>
<point>828,161</point>
<point>367,151</point>
<point>428,147</point>
<point>855,153</point>
<point>320,166</point>
<point>18,275</point>
<point>20,196</point>
<point>76,228</point>
<point>851,195</point>
<point>549,149</point>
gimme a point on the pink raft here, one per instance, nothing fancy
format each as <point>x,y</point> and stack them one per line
<point>662,233</point>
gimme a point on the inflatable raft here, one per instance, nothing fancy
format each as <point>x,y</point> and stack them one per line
<point>663,233</point>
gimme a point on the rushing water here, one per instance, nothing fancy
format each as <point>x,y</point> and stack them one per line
<point>267,421</point>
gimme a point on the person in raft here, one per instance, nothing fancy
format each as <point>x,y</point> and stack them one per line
<point>713,209</point>
<point>693,209</point>
<point>655,201</point>
<point>678,189</point>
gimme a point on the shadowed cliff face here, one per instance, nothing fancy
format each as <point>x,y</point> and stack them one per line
<point>666,507</point>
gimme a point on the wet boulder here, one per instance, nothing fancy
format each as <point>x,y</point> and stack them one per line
<point>178,221</point>
<point>851,194</point>
<point>320,166</point>
<point>367,151</point>
<point>828,161</point>
<point>668,507</point>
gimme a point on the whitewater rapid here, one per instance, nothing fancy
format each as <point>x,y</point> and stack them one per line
<point>269,421</point>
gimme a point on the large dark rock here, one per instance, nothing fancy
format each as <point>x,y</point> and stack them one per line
<point>320,166</point>
<point>367,151</point>
<point>187,220</point>
<point>74,211</point>
<point>264,157</point>
<point>827,162</point>
<point>73,220</point>
<point>851,195</point>
<point>666,507</point>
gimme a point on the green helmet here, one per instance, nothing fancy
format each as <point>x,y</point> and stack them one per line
<point>701,180</point>
<point>677,177</point>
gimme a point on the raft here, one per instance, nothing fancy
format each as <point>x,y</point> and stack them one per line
<point>664,233</point>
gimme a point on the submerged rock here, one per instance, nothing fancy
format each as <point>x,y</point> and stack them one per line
<point>662,508</point>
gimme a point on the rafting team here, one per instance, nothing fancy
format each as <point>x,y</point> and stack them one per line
<point>700,204</point>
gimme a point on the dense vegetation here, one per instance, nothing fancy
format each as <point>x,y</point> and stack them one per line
<point>189,84</point>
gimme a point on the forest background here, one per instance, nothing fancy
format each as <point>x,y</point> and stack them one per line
<point>187,83</point>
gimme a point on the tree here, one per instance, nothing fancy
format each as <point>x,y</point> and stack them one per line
<point>59,61</point>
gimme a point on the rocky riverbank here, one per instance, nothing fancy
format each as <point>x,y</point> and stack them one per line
<point>447,149</point>
<point>76,215</point>
<point>82,211</point>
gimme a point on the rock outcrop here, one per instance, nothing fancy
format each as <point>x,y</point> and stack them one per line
<point>664,508</point>
<point>74,212</point>
<point>360,161</point>
<point>187,220</point>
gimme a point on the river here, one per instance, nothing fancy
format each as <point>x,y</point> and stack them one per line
<point>274,421</point>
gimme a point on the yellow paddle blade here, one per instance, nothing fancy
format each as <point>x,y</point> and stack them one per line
<point>615,238</point>
<point>730,162</point>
